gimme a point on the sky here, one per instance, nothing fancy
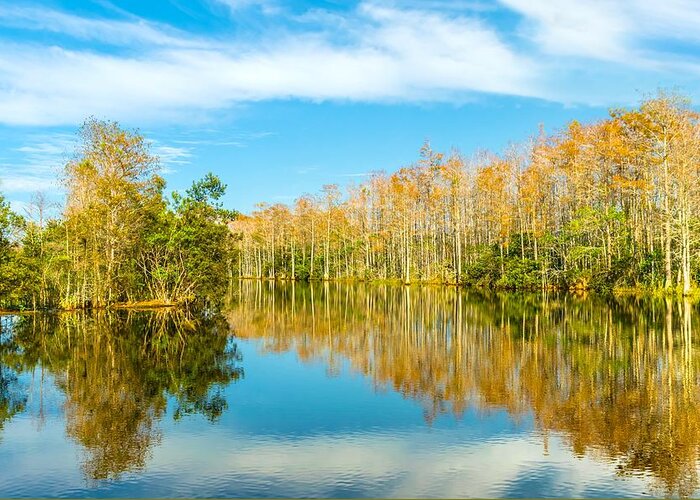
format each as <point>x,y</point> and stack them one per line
<point>279,97</point>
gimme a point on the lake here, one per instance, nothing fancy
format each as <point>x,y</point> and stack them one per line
<point>337,390</point>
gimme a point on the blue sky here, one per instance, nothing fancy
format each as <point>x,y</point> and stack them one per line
<point>279,97</point>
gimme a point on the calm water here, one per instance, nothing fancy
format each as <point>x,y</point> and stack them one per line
<point>355,391</point>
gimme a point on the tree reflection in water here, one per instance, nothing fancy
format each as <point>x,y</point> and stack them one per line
<point>12,398</point>
<point>615,379</point>
<point>118,369</point>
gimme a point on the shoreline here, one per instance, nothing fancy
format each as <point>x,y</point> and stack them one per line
<point>141,305</point>
<point>156,305</point>
<point>619,291</point>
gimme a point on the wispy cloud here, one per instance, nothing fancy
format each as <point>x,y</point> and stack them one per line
<point>569,27</point>
<point>388,55</point>
<point>110,31</point>
<point>624,31</point>
<point>172,156</point>
<point>379,51</point>
<point>26,183</point>
<point>39,165</point>
<point>217,139</point>
<point>266,6</point>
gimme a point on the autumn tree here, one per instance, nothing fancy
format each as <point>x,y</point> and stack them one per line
<point>113,190</point>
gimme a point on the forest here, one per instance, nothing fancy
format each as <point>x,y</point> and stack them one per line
<point>120,240</point>
<point>609,205</point>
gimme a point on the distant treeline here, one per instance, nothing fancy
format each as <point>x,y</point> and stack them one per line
<point>119,239</point>
<point>606,205</point>
<point>603,205</point>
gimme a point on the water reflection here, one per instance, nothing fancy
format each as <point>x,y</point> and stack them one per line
<point>118,371</point>
<point>12,398</point>
<point>618,380</point>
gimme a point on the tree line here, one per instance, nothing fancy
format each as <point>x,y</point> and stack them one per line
<point>119,238</point>
<point>604,205</point>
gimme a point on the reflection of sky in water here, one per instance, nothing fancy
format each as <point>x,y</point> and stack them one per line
<point>291,429</point>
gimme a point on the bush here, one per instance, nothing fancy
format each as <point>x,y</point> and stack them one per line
<point>483,272</point>
<point>520,274</point>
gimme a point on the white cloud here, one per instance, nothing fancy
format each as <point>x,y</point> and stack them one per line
<point>171,157</point>
<point>267,6</point>
<point>41,159</point>
<point>113,32</point>
<point>608,30</point>
<point>390,55</point>
<point>218,139</point>
<point>381,51</point>
<point>26,183</point>
<point>670,18</point>
<point>572,27</point>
